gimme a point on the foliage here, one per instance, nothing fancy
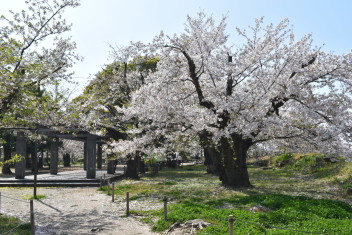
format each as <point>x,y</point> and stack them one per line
<point>26,72</point>
<point>282,159</point>
<point>14,225</point>
<point>14,159</point>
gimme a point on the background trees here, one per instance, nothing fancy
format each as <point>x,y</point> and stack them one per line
<point>28,65</point>
<point>33,57</point>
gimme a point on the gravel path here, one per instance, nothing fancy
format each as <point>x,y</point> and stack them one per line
<point>73,211</point>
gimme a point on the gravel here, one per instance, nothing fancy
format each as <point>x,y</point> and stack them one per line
<point>75,211</point>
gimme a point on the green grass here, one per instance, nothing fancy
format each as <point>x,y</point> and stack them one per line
<point>14,225</point>
<point>31,197</point>
<point>294,200</point>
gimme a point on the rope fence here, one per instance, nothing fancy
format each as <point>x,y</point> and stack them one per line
<point>231,219</point>
<point>31,212</point>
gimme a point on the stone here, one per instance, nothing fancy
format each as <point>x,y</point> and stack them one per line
<point>349,191</point>
<point>331,159</point>
<point>258,209</point>
<point>189,227</point>
<point>96,229</point>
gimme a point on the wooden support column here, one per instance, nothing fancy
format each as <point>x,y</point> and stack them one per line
<point>91,156</point>
<point>110,168</point>
<point>20,167</point>
<point>54,157</point>
<point>99,156</point>
<point>85,155</point>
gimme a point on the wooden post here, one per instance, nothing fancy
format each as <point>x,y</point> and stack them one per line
<point>32,217</point>
<point>127,203</point>
<point>35,169</point>
<point>124,170</point>
<point>165,207</point>
<point>108,187</point>
<point>113,192</point>
<point>231,224</point>
<point>0,203</point>
<point>101,182</point>
<point>35,186</point>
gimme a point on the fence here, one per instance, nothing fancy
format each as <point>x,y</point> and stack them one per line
<point>231,219</point>
<point>31,213</point>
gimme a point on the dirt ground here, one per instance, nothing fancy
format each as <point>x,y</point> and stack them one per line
<point>74,211</point>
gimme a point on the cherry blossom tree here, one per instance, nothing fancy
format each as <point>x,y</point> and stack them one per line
<point>27,63</point>
<point>272,87</point>
<point>33,57</point>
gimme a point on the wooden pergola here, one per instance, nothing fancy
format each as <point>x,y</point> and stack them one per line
<point>92,150</point>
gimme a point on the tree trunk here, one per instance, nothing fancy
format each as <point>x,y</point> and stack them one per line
<point>211,154</point>
<point>132,168</point>
<point>7,154</point>
<point>212,158</point>
<point>67,160</point>
<point>233,170</point>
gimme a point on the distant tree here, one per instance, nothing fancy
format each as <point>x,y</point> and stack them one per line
<point>98,108</point>
<point>28,66</point>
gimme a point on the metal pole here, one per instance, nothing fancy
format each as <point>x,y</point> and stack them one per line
<point>32,218</point>
<point>127,203</point>
<point>231,224</point>
<point>165,207</point>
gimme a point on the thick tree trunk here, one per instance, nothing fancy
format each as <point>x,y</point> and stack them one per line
<point>132,168</point>
<point>212,158</point>
<point>211,154</point>
<point>7,154</point>
<point>234,162</point>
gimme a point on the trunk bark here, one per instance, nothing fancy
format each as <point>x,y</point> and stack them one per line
<point>228,159</point>
<point>234,168</point>
<point>211,154</point>
<point>212,160</point>
<point>6,168</point>
<point>67,160</point>
<point>132,168</point>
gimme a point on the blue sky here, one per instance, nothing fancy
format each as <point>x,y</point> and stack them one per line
<point>98,23</point>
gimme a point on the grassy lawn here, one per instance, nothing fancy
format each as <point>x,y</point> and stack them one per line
<point>293,200</point>
<point>11,225</point>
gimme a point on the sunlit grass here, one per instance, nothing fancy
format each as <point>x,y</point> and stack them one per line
<point>31,197</point>
<point>289,193</point>
<point>11,225</point>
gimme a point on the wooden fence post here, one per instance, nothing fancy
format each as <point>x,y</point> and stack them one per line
<point>32,217</point>
<point>108,187</point>
<point>101,182</point>
<point>113,192</point>
<point>127,203</point>
<point>231,220</point>
<point>35,186</point>
<point>165,207</point>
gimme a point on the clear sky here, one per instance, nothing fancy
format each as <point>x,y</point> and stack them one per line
<point>98,23</point>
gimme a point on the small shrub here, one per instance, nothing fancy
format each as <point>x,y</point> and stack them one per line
<point>282,160</point>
